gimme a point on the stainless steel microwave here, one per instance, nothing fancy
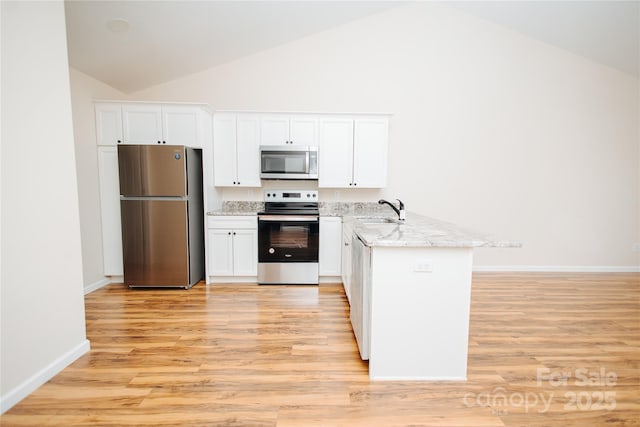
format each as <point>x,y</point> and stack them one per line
<point>288,162</point>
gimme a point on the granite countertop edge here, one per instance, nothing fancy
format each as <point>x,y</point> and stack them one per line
<point>418,231</point>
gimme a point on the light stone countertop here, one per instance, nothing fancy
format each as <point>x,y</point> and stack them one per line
<point>237,208</point>
<point>421,231</point>
<point>416,231</point>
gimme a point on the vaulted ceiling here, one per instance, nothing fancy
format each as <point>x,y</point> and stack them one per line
<point>132,45</point>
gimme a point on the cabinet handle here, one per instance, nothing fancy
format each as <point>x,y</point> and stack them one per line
<point>234,233</point>
<point>119,142</point>
<point>346,244</point>
<point>229,233</point>
<point>158,142</point>
<point>234,183</point>
<point>164,142</point>
<point>238,182</point>
<point>355,183</point>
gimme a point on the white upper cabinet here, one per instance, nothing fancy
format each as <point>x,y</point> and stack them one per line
<point>353,152</point>
<point>224,150</point>
<point>236,153</point>
<point>304,131</point>
<point>142,124</point>
<point>335,162</point>
<point>352,148</point>
<point>248,150</point>
<point>277,129</point>
<point>108,124</point>
<point>370,140</point>
<point>180,125</point>
<point>161,124</point>
<point>274,130</point>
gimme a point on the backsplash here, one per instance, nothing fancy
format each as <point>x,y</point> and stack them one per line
<point>238,205</point>
<point>241,207</point>
<point>352,208</point>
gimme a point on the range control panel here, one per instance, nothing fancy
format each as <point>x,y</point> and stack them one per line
<point>291,196</point>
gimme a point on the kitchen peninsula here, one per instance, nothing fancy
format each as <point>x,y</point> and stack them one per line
<point>408,284</point>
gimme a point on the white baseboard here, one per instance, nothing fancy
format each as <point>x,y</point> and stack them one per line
<point>9,399</point>
<point>330,279</point>
<point>96,285</point>
<point>216,280</point>
<point>556,269</point>
<point>427,378</point>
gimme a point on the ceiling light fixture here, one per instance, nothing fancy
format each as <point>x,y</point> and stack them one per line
<point>118,25</point>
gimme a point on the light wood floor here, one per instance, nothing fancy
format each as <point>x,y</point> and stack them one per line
<point>285,356</point>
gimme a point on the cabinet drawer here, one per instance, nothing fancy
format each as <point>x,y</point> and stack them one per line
<point>249,221</point>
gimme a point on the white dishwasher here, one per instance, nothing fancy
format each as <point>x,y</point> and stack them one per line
<point>361,294</point>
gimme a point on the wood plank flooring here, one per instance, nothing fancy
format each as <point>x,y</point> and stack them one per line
<point>544,350</point>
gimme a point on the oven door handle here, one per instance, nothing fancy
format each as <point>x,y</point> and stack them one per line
<point>299,218</point>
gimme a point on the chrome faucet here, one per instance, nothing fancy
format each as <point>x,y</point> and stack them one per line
<point>400,211</point>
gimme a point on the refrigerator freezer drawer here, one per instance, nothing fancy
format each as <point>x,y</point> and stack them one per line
<point>150,170</point>
<point>156,243</point>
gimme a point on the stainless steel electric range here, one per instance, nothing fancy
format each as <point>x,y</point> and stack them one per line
<point>288,232</point>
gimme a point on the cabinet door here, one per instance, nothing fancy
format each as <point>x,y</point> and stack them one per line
<point>142,124</point>
<point>274,130</point>
<point>180,125</point>
<point>224,150</point>
<point>220,252</point>
<point>108,124</point>
<point>370,139</point>
<point>248,151</point>
<point>346,261</point>
<point>304,131</point>
<point>335,162</point>
<point>360,291</point>
<point>110,211</point>
<point>245,252</point>
<point>330,246</point>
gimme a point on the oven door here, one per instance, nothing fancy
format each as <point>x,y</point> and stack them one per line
<point>288,238</point>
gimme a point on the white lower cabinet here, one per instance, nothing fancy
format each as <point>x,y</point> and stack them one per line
<point>347,233</point>
<point>232,246</point>
<point>110,210</point>
<point>330,244</point>
<point>360,295</point>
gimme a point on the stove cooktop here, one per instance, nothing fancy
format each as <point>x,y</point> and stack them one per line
<point>290,202</point>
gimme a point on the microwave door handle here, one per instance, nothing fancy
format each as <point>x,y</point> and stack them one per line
<point>307,162</point>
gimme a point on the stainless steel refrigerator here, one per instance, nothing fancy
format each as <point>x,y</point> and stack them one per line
<point>162,215</point>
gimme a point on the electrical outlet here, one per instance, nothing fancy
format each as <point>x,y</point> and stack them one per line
<point>424,265</point>
<point>336,195</point>
<point>250,194</point>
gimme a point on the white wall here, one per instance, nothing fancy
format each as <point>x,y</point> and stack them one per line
<point>491,129</point>
<point>43,327</point>
<point>84,91</point>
